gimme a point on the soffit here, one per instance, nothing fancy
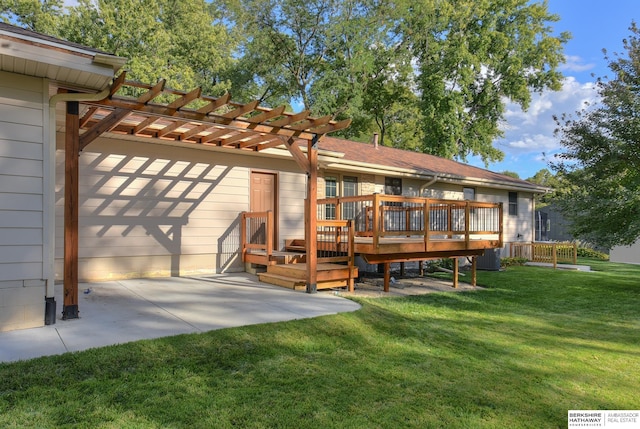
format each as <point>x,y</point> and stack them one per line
<point>33,54</point>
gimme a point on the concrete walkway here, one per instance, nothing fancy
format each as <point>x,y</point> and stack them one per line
<point>129,310</point>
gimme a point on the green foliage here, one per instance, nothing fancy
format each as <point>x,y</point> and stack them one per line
<point>183,41</point>
<point>427,75</point>
<point>430,75</point>
<point>471,56</point>
<point>555,182</point>
<point>587,252</point>
<point>530,345</point>
<point>511,174</point>
<point>510,262</point>
<point>432,265</point>
<point>43,16</point>
<point>601,161</point>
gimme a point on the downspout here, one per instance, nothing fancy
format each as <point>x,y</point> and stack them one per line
<point>426,185</point>
<point>49,173</point>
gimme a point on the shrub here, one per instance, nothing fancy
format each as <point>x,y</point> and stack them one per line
<point>508,262</point>
<point>586,252</point>
<point>432,265</point>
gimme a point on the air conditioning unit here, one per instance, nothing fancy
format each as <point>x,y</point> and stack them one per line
<point>490,261</point>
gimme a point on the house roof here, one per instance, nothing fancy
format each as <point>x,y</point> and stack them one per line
<point>69,64</point>
<point>417,163</point>
<point>29,34</point>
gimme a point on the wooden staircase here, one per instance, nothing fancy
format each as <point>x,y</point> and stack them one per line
<point>293,276</point>
<point>333,267</point>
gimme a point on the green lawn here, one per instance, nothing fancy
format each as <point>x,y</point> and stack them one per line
<point>532,345</point>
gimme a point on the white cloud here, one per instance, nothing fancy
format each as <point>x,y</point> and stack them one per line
<point>574,64</point>
<point>532,131</point>
<point>529,141</point>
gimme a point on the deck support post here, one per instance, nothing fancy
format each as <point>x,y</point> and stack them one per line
<point>71,208</point>
<point>311,233</point>
<point>387,276</point>
<point>474,266</point>
<point>455,272</point>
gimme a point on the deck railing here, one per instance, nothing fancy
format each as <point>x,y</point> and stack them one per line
<point>335,241</point>
<point>256,233</point>
<point>381,216</point>
<point>334,245</point>
<point>551,253</point>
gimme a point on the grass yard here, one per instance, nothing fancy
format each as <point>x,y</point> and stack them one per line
<point>534,344</point>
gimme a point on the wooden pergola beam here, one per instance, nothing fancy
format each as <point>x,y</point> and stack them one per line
<point>241,110</point>
<point>215,104</point>
<point>103,126</point>
<point>152,93</point>
<point>298,155</point>
<point>266,115</point>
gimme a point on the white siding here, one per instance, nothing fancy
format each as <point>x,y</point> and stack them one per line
<point>21,194</point>
<point>293,189</point>
<point>149,209</point>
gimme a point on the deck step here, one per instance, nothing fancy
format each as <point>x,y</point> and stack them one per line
<point>295,276</point>
<point>284,281</point>
<point>326,272</point>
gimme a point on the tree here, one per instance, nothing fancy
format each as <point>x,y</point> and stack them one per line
<point>332,57</point>
<point>183,41</point>
<point>459,60</point>
<point>546,178</point>
<point>42,16</point>
<point>511,174</point>
<point>471,56</point>
<point>427,75</point>
<point>602,157</point>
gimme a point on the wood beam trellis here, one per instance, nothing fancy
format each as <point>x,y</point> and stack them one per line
<point>194,118</point>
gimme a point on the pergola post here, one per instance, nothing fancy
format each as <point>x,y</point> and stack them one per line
<point>311,234</point>
<point>71,176</point>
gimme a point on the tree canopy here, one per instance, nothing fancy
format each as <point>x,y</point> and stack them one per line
<point>601,160</point>
<point>427,75</point>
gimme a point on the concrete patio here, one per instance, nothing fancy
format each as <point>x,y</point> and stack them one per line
<point>130,310</point>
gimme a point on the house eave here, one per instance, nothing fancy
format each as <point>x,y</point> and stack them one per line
<point>67,65</point>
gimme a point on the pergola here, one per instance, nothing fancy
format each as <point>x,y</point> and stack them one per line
<point>190,118</point>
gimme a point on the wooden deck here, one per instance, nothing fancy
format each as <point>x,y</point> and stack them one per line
<point>382,229</point>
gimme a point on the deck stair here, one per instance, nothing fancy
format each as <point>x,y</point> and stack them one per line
<point>293,276</point>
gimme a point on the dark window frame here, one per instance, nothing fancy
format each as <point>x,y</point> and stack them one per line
<point>513,204</point>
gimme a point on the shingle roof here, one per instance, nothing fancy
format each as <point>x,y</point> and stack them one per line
<point>420,162</point>
<point>19,31</point>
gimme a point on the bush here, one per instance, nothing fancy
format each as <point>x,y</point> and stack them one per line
<point>586,252</point>
<point>432,265</point>
<point>509,262</point>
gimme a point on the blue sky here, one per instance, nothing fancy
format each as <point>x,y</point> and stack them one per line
<point>594,25</point>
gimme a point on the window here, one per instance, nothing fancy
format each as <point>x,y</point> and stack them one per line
<point>349,189</point>
<point>330,191</point>
<point>392,186</point>
<point>469,193</point>
<point>513,204</point>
